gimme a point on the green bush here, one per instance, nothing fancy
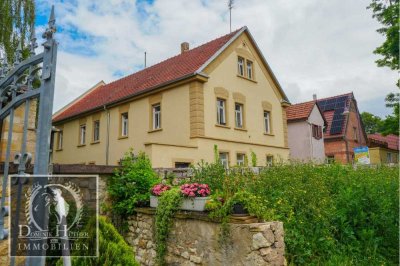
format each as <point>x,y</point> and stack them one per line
<point>113,250</point>
<point>130,185</point>
<point>335,214</point>
<point>332,214</point>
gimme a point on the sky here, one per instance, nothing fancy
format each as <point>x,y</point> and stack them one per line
<point>313,46</point>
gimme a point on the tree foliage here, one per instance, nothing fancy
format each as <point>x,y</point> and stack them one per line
<point>17,18</point>
<point>387,13</point>
<point>391,124</point>
<point>372,123</point>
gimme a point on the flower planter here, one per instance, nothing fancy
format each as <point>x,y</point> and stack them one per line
<point>188,204</point>
<point>239,210</point>
<point>194,204</point>
<point>153,201</point>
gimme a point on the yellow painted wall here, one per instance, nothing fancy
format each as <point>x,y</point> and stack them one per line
<point>378,155</point>
<point>189,133</point>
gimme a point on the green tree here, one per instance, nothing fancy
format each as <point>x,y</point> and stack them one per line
<point>387,13</point>
<point>391,124</point>
<point>17,18</point>
<point>372,123</point>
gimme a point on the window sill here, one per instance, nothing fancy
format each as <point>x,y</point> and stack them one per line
<point>122,137</point>
<point>154,130</point>
<point>223,126</point>
<point>269,134</point>
<point>243,77</point>
<point>59,149</point>
<point>81,145</point>
<point>240,129</point>
<point>95,142</point>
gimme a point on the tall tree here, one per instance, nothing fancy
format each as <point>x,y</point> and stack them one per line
<point>372,123</point>
<point>391,124</point>
<point>387,13</point>
<point>17,18</point>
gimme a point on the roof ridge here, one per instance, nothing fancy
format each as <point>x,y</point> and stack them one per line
<point>340,95</point>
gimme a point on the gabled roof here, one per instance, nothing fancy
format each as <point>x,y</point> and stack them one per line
<point>180,67</point>
<point>299,111</point>
<point>332,109</point>
<point>390,141</point>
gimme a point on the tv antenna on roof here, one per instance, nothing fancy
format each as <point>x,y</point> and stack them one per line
<point>230,6</point>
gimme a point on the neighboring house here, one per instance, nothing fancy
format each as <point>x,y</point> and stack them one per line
<point>344,130</point>
<point>221,93</point>
<point>383,149</point>
<point>305,128</point>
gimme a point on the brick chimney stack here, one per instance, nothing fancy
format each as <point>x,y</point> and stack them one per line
<point>314,97</point>
<point>184,47</point>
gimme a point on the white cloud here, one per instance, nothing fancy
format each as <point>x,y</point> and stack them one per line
<point>322,47</point>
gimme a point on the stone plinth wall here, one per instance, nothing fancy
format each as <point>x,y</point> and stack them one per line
<point>194,240</point>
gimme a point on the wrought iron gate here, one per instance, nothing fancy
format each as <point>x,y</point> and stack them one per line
<point>28,81</point>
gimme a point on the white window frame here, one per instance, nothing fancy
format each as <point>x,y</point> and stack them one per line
<point>156,116</point>
<point>60,140</point>
<point>96,130</point>
<point>239,115</point>
<point>241,63</point>
<point>240,161</point>
<point>221,111</point>
<point>124,124</point>
<point>224,159</point>
<point>249,70</point>
<point>267,122</point>
<point>82,134</point>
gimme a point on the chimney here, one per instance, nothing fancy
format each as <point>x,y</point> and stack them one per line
<point>314,96</point>
<point>184,47</point>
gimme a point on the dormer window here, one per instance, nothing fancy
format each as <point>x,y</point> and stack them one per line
<point>241,66</point>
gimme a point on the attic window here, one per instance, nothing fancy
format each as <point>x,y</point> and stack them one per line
<point>241,66</point>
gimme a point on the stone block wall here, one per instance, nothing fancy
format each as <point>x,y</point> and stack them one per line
<point>195,241</point>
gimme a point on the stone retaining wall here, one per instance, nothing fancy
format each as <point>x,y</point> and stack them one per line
<point>195,241</point>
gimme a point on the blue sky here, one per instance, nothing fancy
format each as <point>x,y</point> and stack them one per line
<point>321,47</point>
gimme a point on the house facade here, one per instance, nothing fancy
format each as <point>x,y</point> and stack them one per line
<point>344,130</point>
<point>305,132</point>
<point>221,93</point>
<point>383,149</point>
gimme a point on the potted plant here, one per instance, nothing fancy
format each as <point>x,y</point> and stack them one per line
<point>195,196</point>
<point>156,191</point>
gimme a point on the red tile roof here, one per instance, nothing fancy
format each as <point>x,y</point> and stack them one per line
<point>391,140</point>
<point>177,67</point>
<point>300,111</point>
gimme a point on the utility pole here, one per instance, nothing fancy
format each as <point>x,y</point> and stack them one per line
<point>230,6</point>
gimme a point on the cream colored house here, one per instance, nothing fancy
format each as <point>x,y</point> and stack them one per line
<point>221,93</point>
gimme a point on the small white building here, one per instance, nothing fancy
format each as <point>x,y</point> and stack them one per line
<point>305,132</point>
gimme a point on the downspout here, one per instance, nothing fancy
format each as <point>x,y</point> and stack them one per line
<point>108,134</point>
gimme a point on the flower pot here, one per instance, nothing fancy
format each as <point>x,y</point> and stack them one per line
<point>153,201</point>
<point>239,210</point>
<point>194,204</point>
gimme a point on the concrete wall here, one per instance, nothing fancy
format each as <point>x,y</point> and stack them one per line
<point>303,146</point>
<point>188,118</point>
<point>194,241</point>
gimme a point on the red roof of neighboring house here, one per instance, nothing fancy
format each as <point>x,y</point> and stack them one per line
<point>391,140</point>
<point>299,111</point>
<point>180,66</point>
<point>332,109</point>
